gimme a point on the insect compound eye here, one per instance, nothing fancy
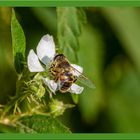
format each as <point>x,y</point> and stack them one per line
<point>59,56</point>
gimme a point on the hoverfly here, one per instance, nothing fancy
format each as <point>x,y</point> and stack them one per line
<point>63,73</point>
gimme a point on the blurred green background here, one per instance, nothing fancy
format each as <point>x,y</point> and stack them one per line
<point>110,54</point>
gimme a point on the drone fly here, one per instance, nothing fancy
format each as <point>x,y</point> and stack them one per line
<point>63,73</point>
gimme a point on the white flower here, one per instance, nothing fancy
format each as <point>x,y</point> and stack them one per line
<point>45,53</point>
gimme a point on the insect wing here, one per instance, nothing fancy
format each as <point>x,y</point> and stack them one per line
<point>84,80</point>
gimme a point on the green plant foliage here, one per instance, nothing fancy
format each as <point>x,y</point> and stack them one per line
<point>106,46</point>
<point>70,20</point>
<point>35,124</point>
<point>29,96</point>
<point>75,98</point>
<point>7,128</point>
<point>41,124</point>
<point>18,43</point>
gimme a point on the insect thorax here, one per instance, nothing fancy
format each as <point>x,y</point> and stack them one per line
<point>59,65</point>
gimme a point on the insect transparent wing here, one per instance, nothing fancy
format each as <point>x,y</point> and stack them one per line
<point>78,68</point>
<point>84,80</point>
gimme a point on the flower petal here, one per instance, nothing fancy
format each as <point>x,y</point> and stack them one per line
<point>76,89</point>
<point>33,62</point>
<point>78,70</point>
<point>46,49</point>
<point>51,84</point>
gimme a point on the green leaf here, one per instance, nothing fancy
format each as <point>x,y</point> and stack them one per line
<point>75,98</point>
<point>70,21</point>
<point>7,128</point>
<point>41,124</point>
<point>18,43</point>
<point>69,26</point>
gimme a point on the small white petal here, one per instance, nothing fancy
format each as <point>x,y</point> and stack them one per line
<point>46,49</point>
<point>33,62</point>
<point>78,71</point>
<point>51,84</point>
<point>76,89</point>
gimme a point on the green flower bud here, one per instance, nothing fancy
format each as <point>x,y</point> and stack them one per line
<point>38,89</point>
<point>57,108</point>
